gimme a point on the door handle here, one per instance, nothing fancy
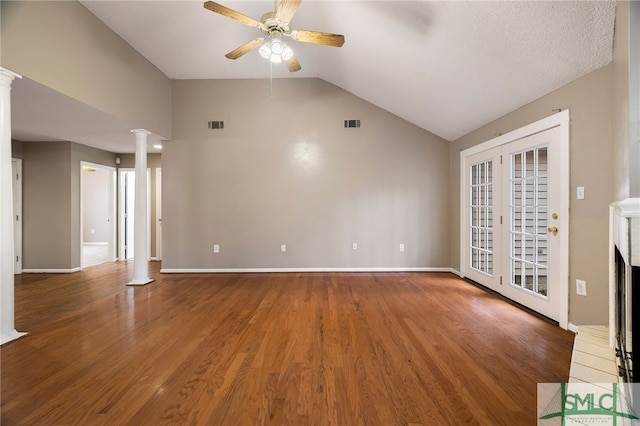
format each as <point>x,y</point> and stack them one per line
<point>553,229</point>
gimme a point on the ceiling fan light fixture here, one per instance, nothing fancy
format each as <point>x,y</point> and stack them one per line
<point>273,26</point>
<point>265,51</point>
<point>276,51</point>
<point>287,53</point>
<point>276,46</point>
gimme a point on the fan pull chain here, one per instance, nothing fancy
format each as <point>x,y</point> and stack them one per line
<point>271,67</point>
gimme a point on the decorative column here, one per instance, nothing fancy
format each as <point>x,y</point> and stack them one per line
<point>7,221</point>
<point>140,219</point>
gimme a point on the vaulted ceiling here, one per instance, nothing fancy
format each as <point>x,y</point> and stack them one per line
<point>446,66</point>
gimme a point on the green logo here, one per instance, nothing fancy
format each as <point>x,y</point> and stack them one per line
<point>587,403</point>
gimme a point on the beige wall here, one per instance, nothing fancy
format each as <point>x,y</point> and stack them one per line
<point>62,45</point>
<point>128,161</point>
<point>589,100</point>
<point>46,206</point>
<point>285,171</point>
<point>51,202</point>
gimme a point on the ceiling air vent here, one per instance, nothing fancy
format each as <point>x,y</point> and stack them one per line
<point>351,123</point>
<point>215,125</point>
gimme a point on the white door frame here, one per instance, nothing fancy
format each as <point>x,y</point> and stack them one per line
<point>16,164</point>
<point>112,209</point>
<point>158,213</point>
<point>121,212</point>
<point>122,237</point>
<point>561,120</point>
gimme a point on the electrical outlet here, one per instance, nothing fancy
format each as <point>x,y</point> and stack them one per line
<point>283,248</point>
<point>581,287</point>
<point>401,247</point>
<point>354,246</point>
<point>216,248</point>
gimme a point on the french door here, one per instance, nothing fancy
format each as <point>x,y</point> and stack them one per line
<point>483,199</point>
<point>511,221</point>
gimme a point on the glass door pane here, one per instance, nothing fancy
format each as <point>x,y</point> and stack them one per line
<point>481,217</point>
<point>529,220</point>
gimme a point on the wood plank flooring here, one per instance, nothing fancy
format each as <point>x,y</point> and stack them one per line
<point>295,349</point>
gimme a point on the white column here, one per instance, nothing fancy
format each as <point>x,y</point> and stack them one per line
<point>7,258</point>
<point>140,225</point>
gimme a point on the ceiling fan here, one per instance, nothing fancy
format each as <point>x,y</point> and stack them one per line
<point>274,25</point>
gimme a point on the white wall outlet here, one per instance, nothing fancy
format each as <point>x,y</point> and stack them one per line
<point>354,246</point>
<point>581,287</point>
<point>216,248</point>
<point>93,231</point>
<point>401,247</point>
<point>580,193</point>
<point>283,248</point>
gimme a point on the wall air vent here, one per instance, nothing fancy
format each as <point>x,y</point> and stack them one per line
<point>351,123</point>
<point>215,125</point>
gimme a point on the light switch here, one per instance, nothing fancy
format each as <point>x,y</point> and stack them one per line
<point>580,193</point>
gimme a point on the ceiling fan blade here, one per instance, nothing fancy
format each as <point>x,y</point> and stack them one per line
<point>230,13</point>
<point>287,9</point>
<point>293,64</point>
<point>317,37</point>
<point>245,48</point>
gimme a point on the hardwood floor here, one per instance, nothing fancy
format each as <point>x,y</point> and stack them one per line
<point>245,349</point>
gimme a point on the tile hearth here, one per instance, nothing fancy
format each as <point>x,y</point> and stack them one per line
<point>593,360</point>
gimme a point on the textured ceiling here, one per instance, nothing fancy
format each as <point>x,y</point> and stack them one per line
<point>446,66</point>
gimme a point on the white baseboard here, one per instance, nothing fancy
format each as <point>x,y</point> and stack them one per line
<point>455,271</point>
<point>95,244</point>
<point>289,270</point>
<point>572,327</point>
<point>50,271</point>
<point>142,282</point>
<point>11,336</point>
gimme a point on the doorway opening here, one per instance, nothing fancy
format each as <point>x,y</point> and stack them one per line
<point>98,214</point>
<point>127,194</point>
